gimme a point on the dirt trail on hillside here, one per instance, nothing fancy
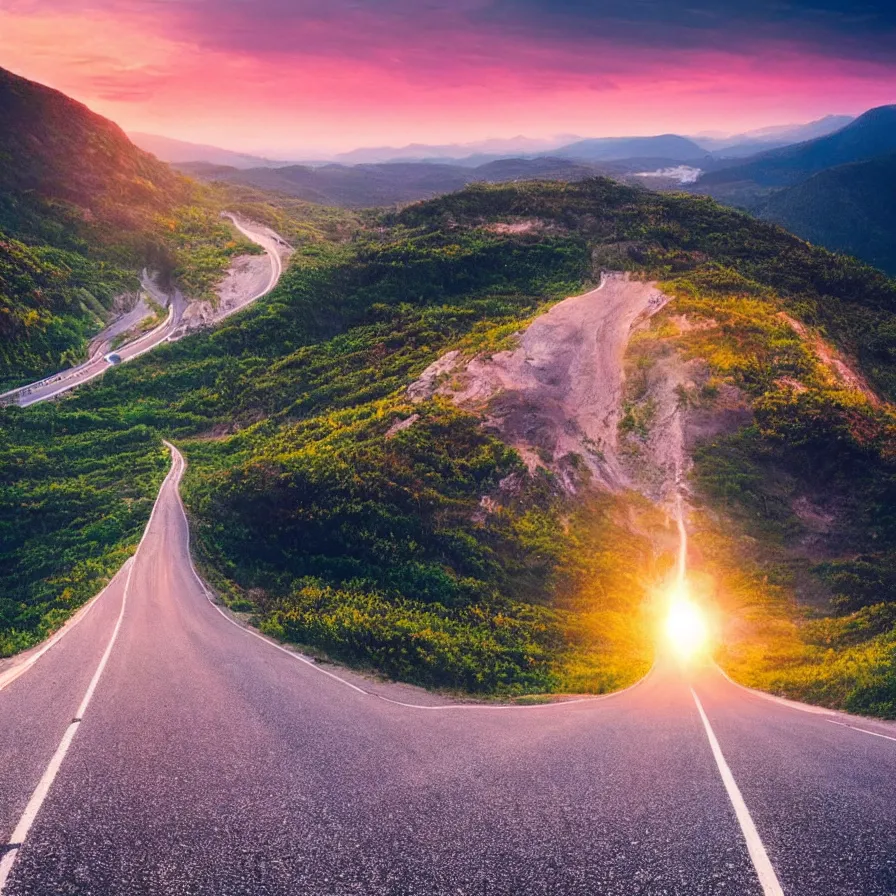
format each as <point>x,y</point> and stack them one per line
<point>557,398</point>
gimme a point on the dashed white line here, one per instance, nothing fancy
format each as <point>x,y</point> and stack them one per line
<point>20,834</point>
<point>768,880</point>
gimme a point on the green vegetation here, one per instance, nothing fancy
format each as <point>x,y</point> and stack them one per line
<point>430,552</point>
<point>836,190</point>
<point>798,533</point>
<point>82,210</point>
<point>51,300</point>
<point>848,208</point>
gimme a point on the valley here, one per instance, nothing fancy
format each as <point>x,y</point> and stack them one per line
<point>490,526</point>
<point>284,405</point>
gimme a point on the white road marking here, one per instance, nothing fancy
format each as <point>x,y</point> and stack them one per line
<point>863,730</point>
<point>20,834</point>
<point>8,677</point>
<point>764,870</point>
<point>317,668</point>
<point>782,701</point>
<point>103,365</point>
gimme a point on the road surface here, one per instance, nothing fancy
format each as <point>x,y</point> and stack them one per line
<point>96,365</point>
<point>160,748</point>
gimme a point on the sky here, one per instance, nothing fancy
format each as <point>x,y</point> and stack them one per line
<point>295,78</point>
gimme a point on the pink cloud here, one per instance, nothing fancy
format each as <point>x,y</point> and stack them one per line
<point>284,75</point>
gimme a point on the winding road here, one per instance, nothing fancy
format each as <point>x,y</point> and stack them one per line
<point>96,365</point>
<point>158,747</point>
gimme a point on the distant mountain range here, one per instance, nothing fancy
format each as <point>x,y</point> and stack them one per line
<point>479,151</point>
<point>838,190</point>
<point>809,177</point>
<point>672,147</point>
<point>363,186</point>
<point>763,139</point>
<point>870,135</point>
<point>608,149</point>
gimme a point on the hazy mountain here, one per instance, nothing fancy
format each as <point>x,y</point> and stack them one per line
<point>485,150</point>
<point>361,186</point>
<point>666,146</point>
<point>177,151</point>
<point>763,139</point>
<point>848,208</point>
<point>870,135</point>
<point>670,148</point>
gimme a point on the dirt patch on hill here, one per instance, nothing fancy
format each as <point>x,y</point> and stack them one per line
<point>527,226</point>
<point>841,369</point>
<point>247,278</point>
<point>557,397</point>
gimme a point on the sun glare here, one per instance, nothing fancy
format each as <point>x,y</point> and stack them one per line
<point>686,628</point>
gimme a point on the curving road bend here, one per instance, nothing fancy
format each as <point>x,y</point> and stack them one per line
<point>96,365</point>
<point>206,760</point>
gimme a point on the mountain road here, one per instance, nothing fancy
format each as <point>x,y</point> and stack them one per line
<point>160,747</point>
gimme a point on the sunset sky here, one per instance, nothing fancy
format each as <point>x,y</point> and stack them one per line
<point>295,77</point>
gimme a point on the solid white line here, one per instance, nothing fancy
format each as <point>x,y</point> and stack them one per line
<point>863,730</point>
<point>764,870</point>
<point>20,834</point>
<point>317,668</point>
<point>781,701</point>
<point>11,675</point>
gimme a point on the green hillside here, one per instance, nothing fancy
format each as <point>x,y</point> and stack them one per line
<point>336,531</point>
<point>872,134</point>
<point>82,211</point>
<point>848,208</point>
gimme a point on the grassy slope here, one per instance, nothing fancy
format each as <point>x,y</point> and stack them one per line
<point>377,550</point>
<point>794,539</point>
<point>82,210</point>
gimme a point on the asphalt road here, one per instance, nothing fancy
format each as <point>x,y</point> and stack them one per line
<point>96,365</point>
<point>205,760</point>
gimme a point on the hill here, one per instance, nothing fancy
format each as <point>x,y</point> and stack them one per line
<point>871,134</point>
<point>55,149</point>
<point>343,493</point>
<point>848,208</point>
<point>82,210</point>
<point>180,151</point>
<point>366,186</point>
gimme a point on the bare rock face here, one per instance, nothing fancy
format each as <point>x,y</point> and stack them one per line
<point>429,381</point>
